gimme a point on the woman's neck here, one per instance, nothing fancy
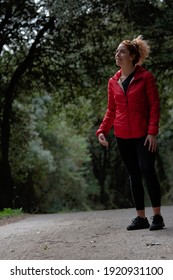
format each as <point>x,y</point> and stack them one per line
<point>125,72</point>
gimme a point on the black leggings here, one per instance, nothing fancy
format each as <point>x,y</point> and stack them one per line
<point>140,163</point>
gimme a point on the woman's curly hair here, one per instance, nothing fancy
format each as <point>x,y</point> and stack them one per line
<point>139,47</point>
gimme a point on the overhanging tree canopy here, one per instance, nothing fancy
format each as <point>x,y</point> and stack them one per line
<point>67,47</point>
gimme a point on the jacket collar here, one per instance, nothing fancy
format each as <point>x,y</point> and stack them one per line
<point>138,73</point>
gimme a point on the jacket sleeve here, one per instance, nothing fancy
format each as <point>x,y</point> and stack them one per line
<point>109,117</point>
<point>153,103</point>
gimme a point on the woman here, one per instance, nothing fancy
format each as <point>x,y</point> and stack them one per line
<point>134,111</point>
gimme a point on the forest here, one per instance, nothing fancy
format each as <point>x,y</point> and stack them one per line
<point>56,57</point>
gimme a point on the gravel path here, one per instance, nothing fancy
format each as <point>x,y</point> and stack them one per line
<point>96,235</point>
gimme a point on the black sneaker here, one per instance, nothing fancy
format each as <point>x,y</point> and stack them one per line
<point>139,223</point>
<point>157,222</point>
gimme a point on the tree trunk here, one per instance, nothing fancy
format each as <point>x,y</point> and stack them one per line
<point>100,162</point>
<point>6,181</point>
<point>162,174</point>
<point>6,190</point>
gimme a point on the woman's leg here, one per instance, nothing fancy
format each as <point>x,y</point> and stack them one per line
<point>127,148</point>
<point>139,161</point>
<point>147,161</point>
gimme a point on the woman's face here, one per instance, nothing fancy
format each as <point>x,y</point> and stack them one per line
<point>122,56</point>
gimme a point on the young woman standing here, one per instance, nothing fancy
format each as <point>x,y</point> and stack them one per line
<point>134,111</point>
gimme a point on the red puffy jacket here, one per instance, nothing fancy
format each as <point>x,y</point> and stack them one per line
<point>136,113</point>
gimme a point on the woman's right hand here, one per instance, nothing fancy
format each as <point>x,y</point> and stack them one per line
<point>102,140</point>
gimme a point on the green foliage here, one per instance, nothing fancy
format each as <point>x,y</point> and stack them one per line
<point>8,212</point>
<point>53,157</point>
<point>65,187</point>
<point>69,188</point>
<point>59,98</point>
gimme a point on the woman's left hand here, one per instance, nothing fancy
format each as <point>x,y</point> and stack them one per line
<point>152,143</point>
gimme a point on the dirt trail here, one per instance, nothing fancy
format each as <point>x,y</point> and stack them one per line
<point>97,235</point>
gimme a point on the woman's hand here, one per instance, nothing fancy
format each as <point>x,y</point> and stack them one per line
<point>102,140</point>
<point>152,143</point>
